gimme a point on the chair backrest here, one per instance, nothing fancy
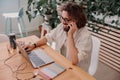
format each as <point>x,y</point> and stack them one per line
<point>3,38</point>
<point>21,12</point>
<point>94,55</point>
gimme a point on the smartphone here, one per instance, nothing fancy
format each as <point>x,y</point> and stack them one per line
<point>68,28</point>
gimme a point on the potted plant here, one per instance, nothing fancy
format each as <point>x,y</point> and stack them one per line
<point>108,8</point>
<point>99,11</point>
<point>45,8</point>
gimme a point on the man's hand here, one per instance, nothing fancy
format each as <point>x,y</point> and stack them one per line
<point>28,47</point>
<point>73,28</point>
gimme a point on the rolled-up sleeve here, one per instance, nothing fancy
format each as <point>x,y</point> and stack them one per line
<point>84,46</point>
<point>52,35</point>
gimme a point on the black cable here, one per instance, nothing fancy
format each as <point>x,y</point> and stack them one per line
<point>26,78</point>
<point>20,66</point>
<point>7,60</point>
<point>18,69</point>
<point>17,72</point>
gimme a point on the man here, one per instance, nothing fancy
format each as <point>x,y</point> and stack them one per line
<point>71,36</point>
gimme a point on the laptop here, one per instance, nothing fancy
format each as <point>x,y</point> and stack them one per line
<point>36,57</point>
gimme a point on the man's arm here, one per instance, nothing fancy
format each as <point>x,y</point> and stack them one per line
<point>30,47</point>
<point>42,41</point>
<point>72,52</point>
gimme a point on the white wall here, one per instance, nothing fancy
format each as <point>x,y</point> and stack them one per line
<point>6,6</point>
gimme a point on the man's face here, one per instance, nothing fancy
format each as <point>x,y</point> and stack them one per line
<point>65,20</point>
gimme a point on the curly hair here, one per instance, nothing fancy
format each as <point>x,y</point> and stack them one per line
<point>76,12</point>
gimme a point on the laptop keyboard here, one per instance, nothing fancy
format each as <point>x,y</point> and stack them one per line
<point>36,60</point>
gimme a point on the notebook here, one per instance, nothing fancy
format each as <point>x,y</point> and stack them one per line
<point>36,57</point>
<point>51,71</point>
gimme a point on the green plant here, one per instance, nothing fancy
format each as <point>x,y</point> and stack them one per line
<point>44,7</point>
<point>106,8</point>
<point>93,8</point>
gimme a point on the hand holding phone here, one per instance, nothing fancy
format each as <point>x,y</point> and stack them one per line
<point>68,28</point>
<point>72,27</point>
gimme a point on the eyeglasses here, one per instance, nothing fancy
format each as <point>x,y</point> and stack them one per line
<point>65,19</point>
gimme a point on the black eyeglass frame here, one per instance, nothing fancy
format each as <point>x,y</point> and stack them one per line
<point>65,19</point>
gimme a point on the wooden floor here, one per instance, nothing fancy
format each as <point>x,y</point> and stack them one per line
<point>104,72</point>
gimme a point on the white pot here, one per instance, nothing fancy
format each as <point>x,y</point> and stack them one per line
<point>47,17</point>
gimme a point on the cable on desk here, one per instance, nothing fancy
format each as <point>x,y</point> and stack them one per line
<point>7,60</point>
<point>18,69</point>
<point>34,76</point>
<point>17,72</point>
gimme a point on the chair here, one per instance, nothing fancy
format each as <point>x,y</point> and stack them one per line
<point>18,15</point>
<point>94,56</point>
<point>44,29</point>
<point>3,38</point>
